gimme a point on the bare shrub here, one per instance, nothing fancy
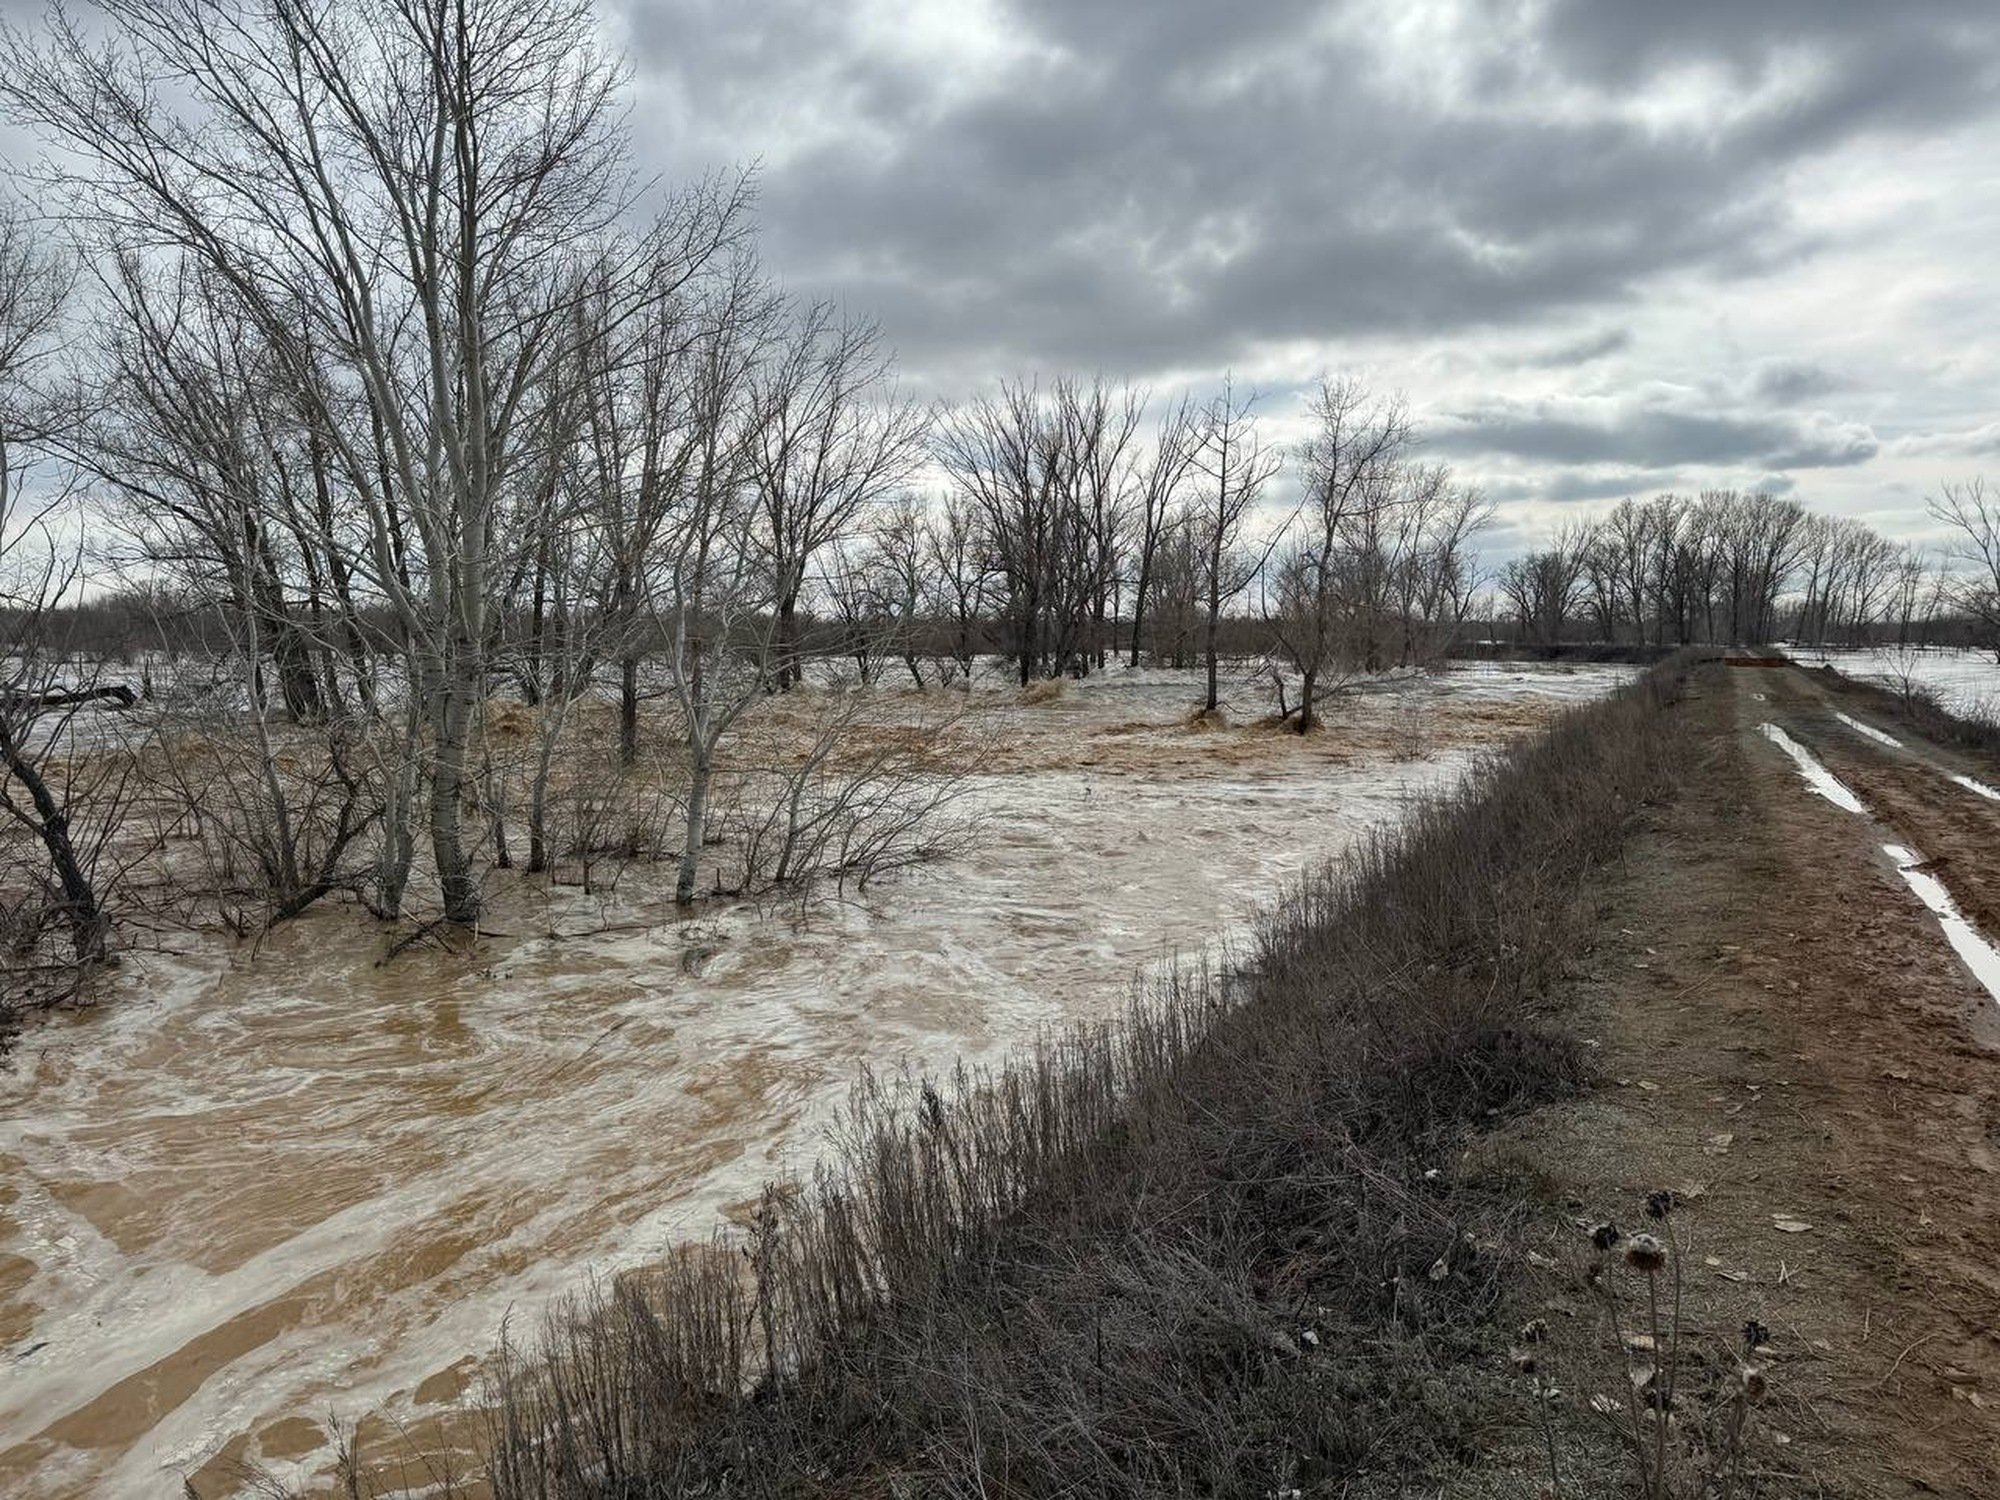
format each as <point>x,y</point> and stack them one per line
<point>1412,731</point>
<point>865,795</point>
<point>1923,710</point>
<point>609,814</point>
<point>276,823</point>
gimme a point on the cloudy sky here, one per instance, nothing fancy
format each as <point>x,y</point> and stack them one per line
<point>1606,247</point>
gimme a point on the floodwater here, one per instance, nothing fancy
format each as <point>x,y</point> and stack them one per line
<point>267,1187</point>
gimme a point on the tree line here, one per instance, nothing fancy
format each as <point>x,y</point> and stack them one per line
<point>1727,567</point>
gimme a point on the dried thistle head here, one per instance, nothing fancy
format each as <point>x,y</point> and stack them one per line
<point>1534,1332</point>
<point>1754,1384</point>
<point>1645,1254</point>
<point>1755,1336</point>
<point>1605,1237</point>
<point>1524,1360</point>
<point>1660,1202</point>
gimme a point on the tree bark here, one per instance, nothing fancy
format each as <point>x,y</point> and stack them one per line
<point>628,711</point>
<point>701,770</point>
<point>456,885</point>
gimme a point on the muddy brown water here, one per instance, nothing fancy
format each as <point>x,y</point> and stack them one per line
<point>266,1189</point>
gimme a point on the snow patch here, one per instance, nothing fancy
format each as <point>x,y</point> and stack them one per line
<point>1869,731</point>
<point>1967,941</point>
<point>1978,788</point>
<point>1817,776</point>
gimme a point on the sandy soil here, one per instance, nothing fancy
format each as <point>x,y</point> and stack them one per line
<point>1786,1039</point>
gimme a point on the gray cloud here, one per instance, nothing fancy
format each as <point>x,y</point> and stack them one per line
<point>1652,434</point>
<point>1786,382</point>
<point>1975,442</point>
<point>1164,190</point>
<point>1178,183</point>
<point>1582,351</point>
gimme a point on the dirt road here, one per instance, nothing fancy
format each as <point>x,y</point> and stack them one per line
<point>1786,1039</point>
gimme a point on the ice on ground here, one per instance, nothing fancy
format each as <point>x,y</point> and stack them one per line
<point>1816,776</point>
<point>1967,941</point>
<point>1869,731</point>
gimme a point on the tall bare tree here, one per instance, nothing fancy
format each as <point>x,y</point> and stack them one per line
<point>1972,514</point>
<point>40,571</point>
<point>834,439</point>
<point>1232,467</point>
<point>403,197</point>
<point>1349,467</point>
<point>1545,586</point>
<point>716,602</point>
<point>1162,472</point>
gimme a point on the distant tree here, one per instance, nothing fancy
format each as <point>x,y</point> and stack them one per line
<point>833,440</point>
<point>956,577</point>
<point>1162,473</point>
<point>997,451</point>
<point>1761,539</point>
<point>1544,587</point>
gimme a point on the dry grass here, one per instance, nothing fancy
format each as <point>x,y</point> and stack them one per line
<point>1200,1250</point>
<point>1044,691</point>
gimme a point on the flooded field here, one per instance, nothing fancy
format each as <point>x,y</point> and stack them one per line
<point>268,1187</point>
<point>1966,682</point>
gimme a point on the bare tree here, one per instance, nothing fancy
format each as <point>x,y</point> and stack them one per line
<point>1046,475</point>
<point>998,454</point>
<point>956,568</point>
<point>1098,422</point>
<point>52,790</point>
<point>1232,468</point>
<point>1162,473</point>
<point>1973,517</point>
<point>717,602</point>
<point>402,199</point>
<point>833,440</point>
<point>1174,591</point>
<point>44,788</point>
<point>1761,538</point>
<point>1440,570</point>
<point>1349,470</point>
<point>899,564</point>
<point>1545,586</point>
